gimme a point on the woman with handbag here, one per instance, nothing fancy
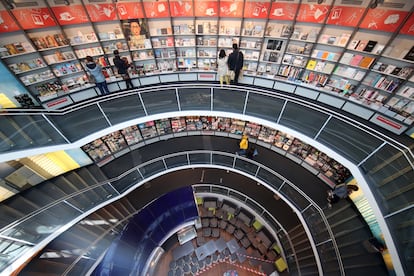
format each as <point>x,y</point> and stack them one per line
<point>122,65</point>
<point>223,68</point>
<point>235,62</point>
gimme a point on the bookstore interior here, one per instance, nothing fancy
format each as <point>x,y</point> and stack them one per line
<point>360,51</point>
<point>358,54</point>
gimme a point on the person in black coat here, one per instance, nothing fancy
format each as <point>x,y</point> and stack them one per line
<point>235,62</point>
<point>122,65</point>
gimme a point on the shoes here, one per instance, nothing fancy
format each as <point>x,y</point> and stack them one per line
<point>329,206</point>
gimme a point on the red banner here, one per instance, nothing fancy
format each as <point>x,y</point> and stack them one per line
<point>7,23</point>
<point>101,12</point>
<point>130,10</point>
<point>34,18</point>
<point>180,8</point>
<point>345,16</point>
<point>283,11</point>
<point>408,27</point>
<point>231,8</point>
<point>312,13</point>
<point>203,8</point>
<point>73,14</point>
<point>256,9</point>
<point>156,9</point>
<point>383,20</point>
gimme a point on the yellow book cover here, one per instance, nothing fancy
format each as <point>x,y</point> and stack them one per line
<point>311,64</point>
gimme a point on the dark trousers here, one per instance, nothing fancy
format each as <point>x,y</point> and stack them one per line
<point>103,87</point>
<point>236,75</point>
<point>128,81</point>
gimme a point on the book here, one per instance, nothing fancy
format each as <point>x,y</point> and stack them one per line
<point>378,49</point>
<point>343,40</point>
<point>361,45</point>
<point>346,58</point>
<point>356,59</point>
<point>405,72</point>
<point>389,69</point>
<point>366,62</point>
<point>410,54</point>
<point>354,44</point>
<point>311,64</point>
<point>370,46</point>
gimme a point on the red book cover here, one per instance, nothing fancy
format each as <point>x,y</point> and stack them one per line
<point>345,16</point>
<point>34,18</point>
<point>206,8</point>
<point>283,11</point>
<point>73,14</point>
<point>130,10</point>
<point>179,8</point>
<point>101,12</point>
<point>156,9</point>
<point>408,27</point>
<point>8,24</point>
<point>312,13</point>
<point>254,9</point>
<point>383,19</point>
<point>231,8</point>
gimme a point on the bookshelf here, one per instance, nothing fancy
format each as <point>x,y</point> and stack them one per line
<point>119,142</point>
<point>331,47</point>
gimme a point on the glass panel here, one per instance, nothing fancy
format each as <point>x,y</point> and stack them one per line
<point>195,98</point>
<point>176,161</point>
<point>21,132</point>
<point>389,176</point>
<point>316,225</point>
<point>80,123</point>
<point>349,141</point>
<point>152,168</point>
<point>254,206</point>
<point>41,225</point>
<point>86,200</point>
<point>119,110</point>
<point>328,258</point>
<point>237,196</point>
<point>160,101</point>
<point>246,166</point>
<point>218,190</point>
<point>303,119</point>
<point>269,178</point>
<point>126,181</point>
<point>228,100</point>
<point>295,197</point>
<point>10,251</point>
<point>263,106</point>
<point>223,160</point>
<point>199,158</point>
<point>402,228</point>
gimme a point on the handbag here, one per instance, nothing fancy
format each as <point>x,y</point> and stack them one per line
<point>232,74</point>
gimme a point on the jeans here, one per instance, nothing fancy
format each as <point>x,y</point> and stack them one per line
<point>103,87</point>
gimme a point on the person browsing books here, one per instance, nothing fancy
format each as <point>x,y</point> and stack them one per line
<point>122,66</point>
<point>235,62</point>
<point>94,69</point>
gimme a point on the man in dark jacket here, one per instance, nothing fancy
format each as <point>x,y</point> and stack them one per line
<point>122,66</point>
<point>235,62</point>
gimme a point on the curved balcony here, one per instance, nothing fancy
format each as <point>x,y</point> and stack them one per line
<point>382,166</point>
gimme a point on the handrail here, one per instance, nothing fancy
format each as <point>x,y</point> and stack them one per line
<point>346,119</point>
<point>210,163</point>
